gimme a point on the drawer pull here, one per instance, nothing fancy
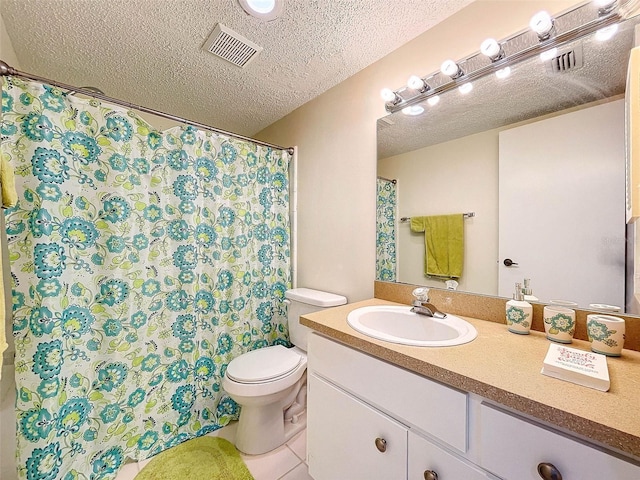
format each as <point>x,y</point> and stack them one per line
<point>549,472</point>
<point>430,475</point>
<point>381,444</point>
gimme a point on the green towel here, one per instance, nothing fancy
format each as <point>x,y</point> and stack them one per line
<point>203,458</point>
<point>7,184</point>
<point>444,244</point>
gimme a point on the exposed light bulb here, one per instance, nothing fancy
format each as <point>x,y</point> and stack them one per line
<point>262,6</point>
<point>265,10</point>
<point>604,6</point>
<point>606,33</point>
<point>503,72</point>
<point>491,48</point>
<point>388,95</point>
<point>417,83</point>
<point>542,24</point>
<point>450,68</point>
<point>548,54</point>
<point>465,88</point>
<point>413,110</point>
<point>433,101</point>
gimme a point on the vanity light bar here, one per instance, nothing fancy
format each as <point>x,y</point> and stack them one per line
<point>405,97</point>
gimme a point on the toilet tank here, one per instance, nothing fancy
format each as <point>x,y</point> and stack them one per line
<point>306,300</point>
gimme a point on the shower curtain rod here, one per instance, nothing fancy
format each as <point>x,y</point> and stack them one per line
<point>392,180</point>
<point>6,70</point>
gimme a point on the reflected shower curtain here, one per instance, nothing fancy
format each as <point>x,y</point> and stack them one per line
<point>142,263</point>
<point>386,230</point>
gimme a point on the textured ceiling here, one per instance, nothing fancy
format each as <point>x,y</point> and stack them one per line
<point>531,91</point>
<point>149,52</point>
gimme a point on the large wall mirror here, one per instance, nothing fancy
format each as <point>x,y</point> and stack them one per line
<point>537,161</point>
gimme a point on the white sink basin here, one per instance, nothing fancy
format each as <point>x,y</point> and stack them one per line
<point>398,324</point>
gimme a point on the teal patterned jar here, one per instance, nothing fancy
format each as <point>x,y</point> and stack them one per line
<point>519,318</point>
<point>519,313</point>
<point>559,323</point>
<point>606,334</point>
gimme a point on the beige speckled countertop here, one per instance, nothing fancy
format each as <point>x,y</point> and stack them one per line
<point>505,368</point>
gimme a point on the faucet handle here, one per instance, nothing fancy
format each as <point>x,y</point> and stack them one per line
<point>421,294</point>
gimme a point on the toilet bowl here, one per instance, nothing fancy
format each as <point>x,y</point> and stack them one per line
<point>265,383</point>
<point>270,384</point>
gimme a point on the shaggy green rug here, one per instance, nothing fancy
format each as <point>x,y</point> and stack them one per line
<point>203,458</point>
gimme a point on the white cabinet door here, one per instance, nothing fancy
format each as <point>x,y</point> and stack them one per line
<point>513,448</point>
<point>434,408</point>
<point>425,456</point>
<point>341,437</point>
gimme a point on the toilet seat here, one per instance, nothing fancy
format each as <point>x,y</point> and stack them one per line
<point>264,365</point>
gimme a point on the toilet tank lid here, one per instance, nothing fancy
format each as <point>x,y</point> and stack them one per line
<point>315,297</point>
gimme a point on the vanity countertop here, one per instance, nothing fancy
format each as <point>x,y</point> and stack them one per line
<point>505,368</point>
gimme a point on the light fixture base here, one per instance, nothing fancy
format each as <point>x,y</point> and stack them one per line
<point>265,10</point>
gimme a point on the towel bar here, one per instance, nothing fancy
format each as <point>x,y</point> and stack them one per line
<point>465,215</point>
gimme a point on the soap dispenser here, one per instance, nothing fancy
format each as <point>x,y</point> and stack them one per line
<point>519,313</point>
<point>526,290</point>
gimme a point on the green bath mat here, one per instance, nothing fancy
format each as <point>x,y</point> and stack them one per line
<point>203,458</point>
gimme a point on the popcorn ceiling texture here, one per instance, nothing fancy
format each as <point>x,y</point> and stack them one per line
<point>150,52</point>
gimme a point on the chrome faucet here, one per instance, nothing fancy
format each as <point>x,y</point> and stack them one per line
<point>422,306</point>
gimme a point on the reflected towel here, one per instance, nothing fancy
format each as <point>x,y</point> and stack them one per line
<point>9,199</point>
<point>3,316</point>
<point>444,244</point>
<point>7,184</point>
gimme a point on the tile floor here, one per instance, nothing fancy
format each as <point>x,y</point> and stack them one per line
<point>285,463</point>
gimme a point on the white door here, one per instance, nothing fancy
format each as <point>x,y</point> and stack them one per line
<point>349,440</point>
<point>561,211</point>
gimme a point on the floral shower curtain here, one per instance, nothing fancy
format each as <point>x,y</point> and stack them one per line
<point>142,263</point>
<point>386,230</point>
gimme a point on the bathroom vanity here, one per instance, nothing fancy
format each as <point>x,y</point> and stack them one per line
<point>476,411</point>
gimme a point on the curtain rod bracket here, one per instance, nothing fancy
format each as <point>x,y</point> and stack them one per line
<point>5,69</point>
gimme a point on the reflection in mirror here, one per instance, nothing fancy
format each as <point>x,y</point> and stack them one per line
<point>539,157</point>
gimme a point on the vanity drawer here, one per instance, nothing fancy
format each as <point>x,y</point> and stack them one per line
<point>426,456</point>
<point>343,435</point>
<point>512,448</point>
<point>430,406</point>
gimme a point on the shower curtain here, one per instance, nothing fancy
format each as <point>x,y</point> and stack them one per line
<point>142,263</point>
<point>386,230</point>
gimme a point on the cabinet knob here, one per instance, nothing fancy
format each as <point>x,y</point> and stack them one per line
<point>381,444</point>
<point>430,475</point>
<point>549,472</point>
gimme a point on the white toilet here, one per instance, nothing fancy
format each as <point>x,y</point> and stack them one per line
<point>270,384</point>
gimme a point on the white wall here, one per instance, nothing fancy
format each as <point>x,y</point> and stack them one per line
<point>336,136</point>
<point>467,183</point>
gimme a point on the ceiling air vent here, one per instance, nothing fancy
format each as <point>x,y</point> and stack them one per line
<point>231,46</point>
<point>566,61</point>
